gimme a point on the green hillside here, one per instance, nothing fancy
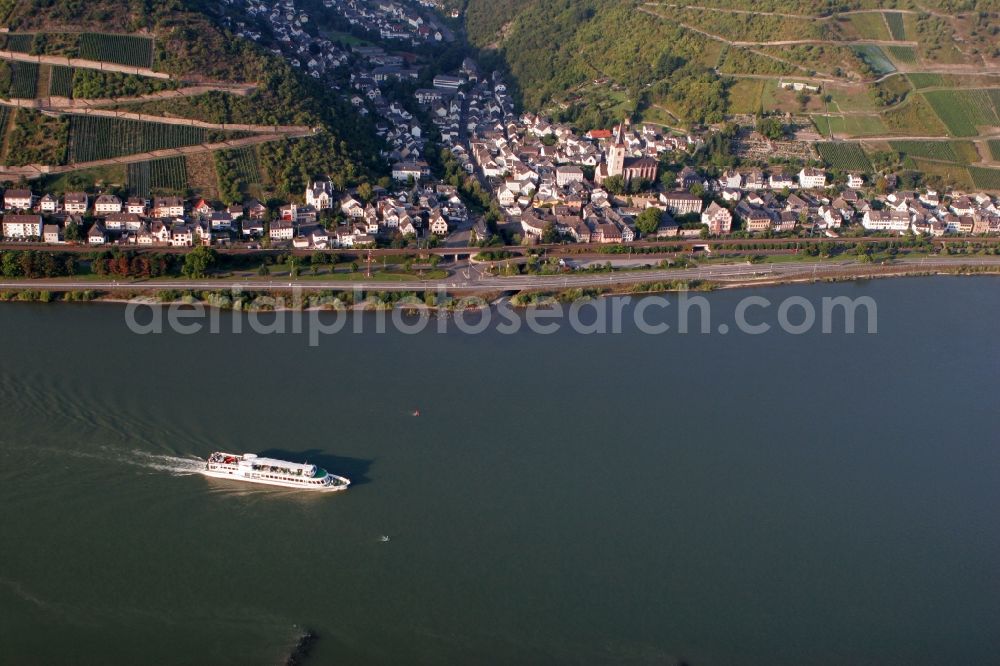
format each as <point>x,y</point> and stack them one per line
<point>587,61</point>
<point>183,38</point>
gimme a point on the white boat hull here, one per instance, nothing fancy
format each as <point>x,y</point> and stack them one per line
<point>238,475</point>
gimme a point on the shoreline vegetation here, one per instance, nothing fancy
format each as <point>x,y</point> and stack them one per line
<point>281,299</point>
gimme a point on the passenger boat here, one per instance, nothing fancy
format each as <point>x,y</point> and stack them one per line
<point>254,469</point>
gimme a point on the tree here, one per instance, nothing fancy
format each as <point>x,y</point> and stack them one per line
<point>549,233</point>
<point>365,192</point>
<point>72,231</point>
<point>649,221</point>
<point>198,261</point>
<point>771,128</point>
<point>614,184</point>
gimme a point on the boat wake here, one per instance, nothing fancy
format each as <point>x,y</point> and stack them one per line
<point>163,463</point>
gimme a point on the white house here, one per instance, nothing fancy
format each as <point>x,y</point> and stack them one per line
<point>51,233</point>
<point>76,202</point>
<point>855,181</point>
<point>403,171</point>
<point>718,219</point>
<point>351,207</point>
<point>22,226</point>
<point>319,195</point>
<point>568,174</point>
<point>780,180</point>
<point>136,206</point>
<point>181,235</point>
<point>18,200</point>
<point>168,207</point>
<point>96,235</point>
<point>107,203</point>
<point>886,220</point>
<point>282,230</point>
<point>49,204</point>
<point>810,178</point>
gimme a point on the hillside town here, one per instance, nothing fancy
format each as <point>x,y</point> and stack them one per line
<point>546,182</point>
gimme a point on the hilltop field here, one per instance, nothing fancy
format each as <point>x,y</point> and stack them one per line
<point>920,78</point>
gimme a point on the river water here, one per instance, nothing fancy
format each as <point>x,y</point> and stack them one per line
<point>630,498</point>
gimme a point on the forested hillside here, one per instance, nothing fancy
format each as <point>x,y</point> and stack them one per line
<point>863,62</point>
<point>553,46</point>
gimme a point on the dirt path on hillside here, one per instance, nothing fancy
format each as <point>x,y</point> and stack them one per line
<point>148,118</point>
<point>782,42</point>
<point>103,66</point>
<point>187,91</point>
<point>83,63</point>
<point>36,170</point>
<point>805,17</point>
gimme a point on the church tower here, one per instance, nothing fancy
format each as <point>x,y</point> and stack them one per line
<point>616,153</point>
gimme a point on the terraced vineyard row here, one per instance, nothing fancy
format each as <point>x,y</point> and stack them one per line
<point>61,83</point>
<point>903,54</point>
<point>137,179</point>
<point>924,80</point>
<point>143,179</point>
<point>98,138</point>
<point>237,170</point>
<point>168,174</point>
<point>895,22</point>
<point>5,113</point>
<point>23,80</point>
<point>959,152</point>
<point>20,43</point>
<point>987,179</point>
<point>935,150</point>
<point>844,156</point>
<point>994,145</point>
<point>122,49</point>
<point>962,110</point>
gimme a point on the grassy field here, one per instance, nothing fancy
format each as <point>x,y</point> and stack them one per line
<point>915,117</point>
<point>110,177</point>
<point>844,156</point>
<point>344,38</point>
<point>745,95</point>
<point>851,126</point>
<point>871,26</point>
<point>952,174</point>
<point>850,98</point>
<point>926,80</point>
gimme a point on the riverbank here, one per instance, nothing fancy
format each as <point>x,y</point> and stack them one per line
<point>450,295</point>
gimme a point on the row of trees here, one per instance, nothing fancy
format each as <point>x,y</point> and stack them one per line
<point>34,264</point>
